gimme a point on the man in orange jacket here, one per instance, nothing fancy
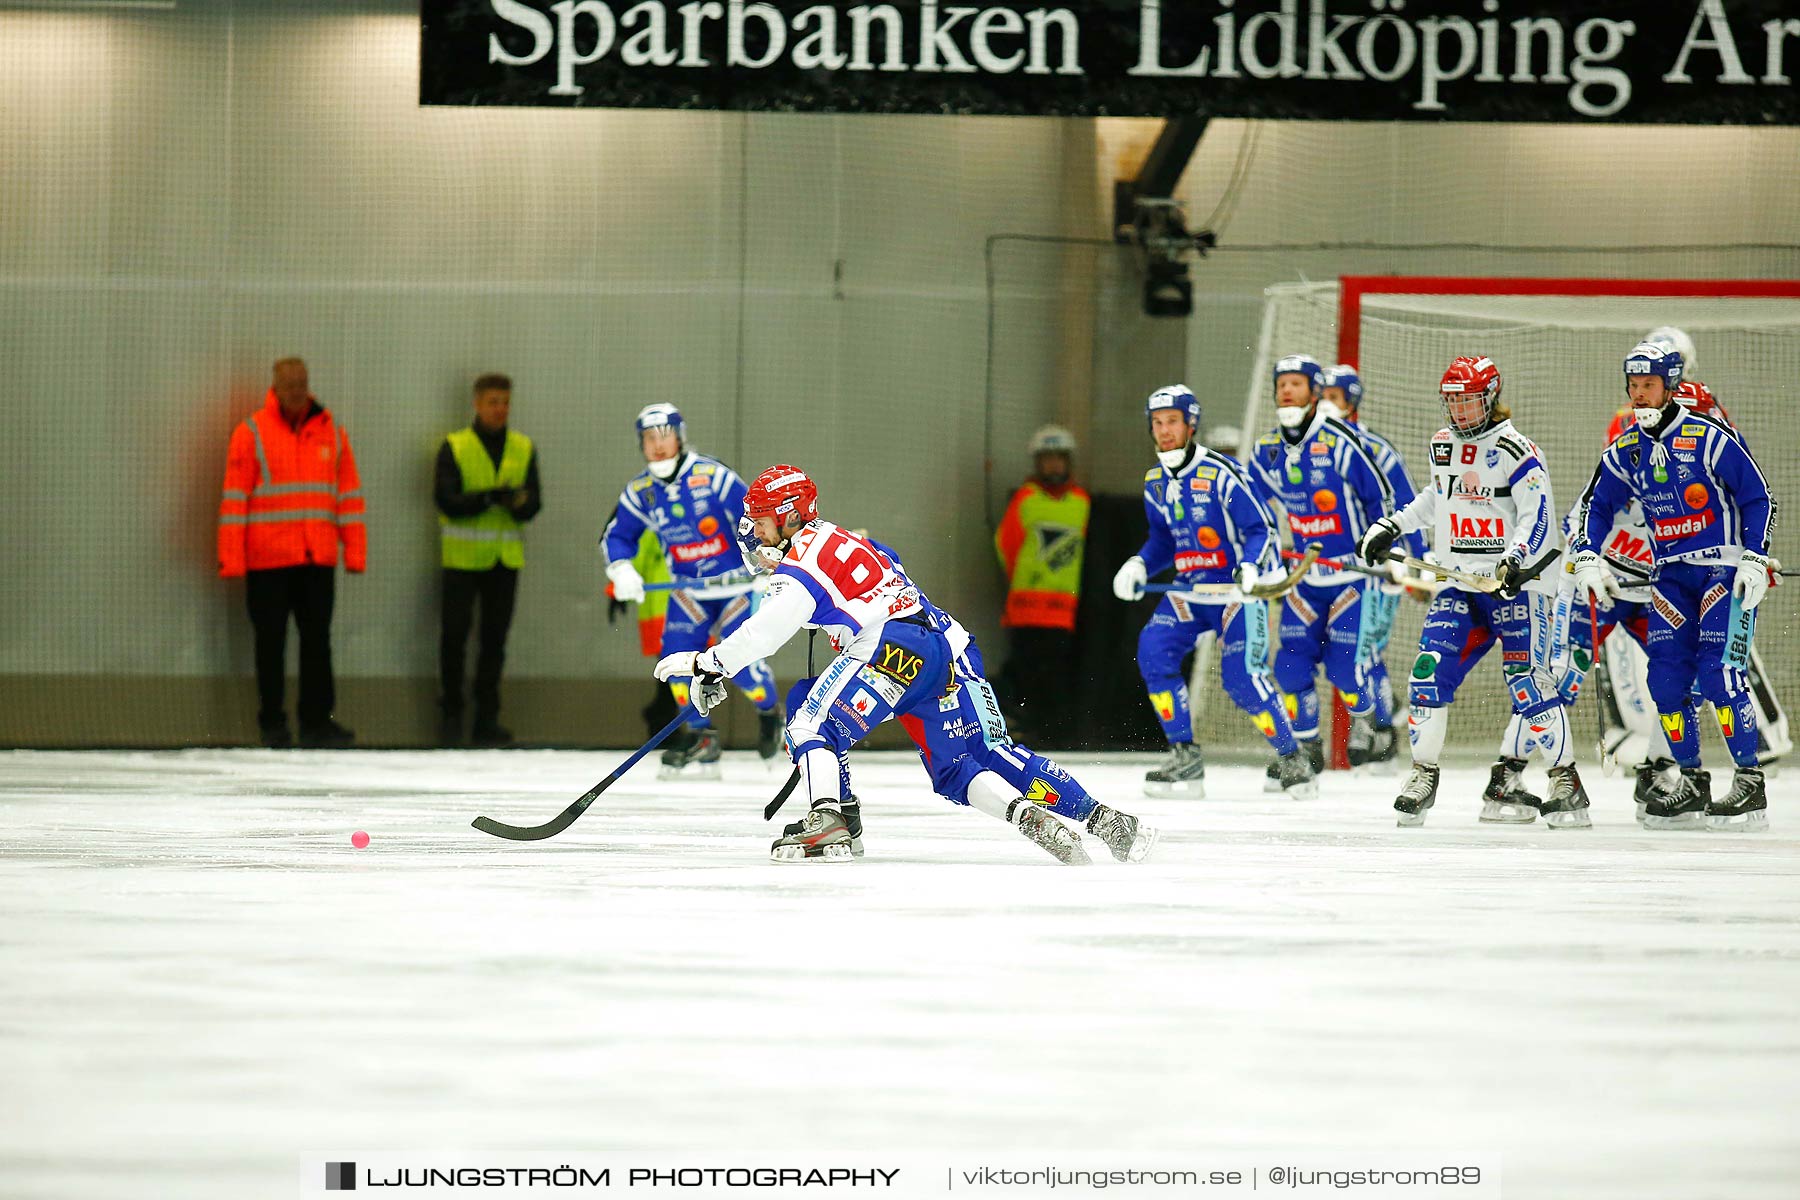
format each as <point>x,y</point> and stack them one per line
<point>1041,542</point>
<point>291,496</point>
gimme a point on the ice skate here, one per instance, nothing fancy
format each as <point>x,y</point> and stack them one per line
<point>1647,773</point>
<point>1183,775</point>
<point>823,836</point>
<point>1745,808</point>
<point>1128,838</point>
<point>1417,795</point>
<point>1384,756</point>
<point>1678,799</point>
<point>769,728</point>
<point>1296,777</point>
<point>1062,843</point>
<point>852,809</point>
<point>1566,807</point>
<point>695,756</point>
<point>1315,753</point>
<point>1504,802</point>
<point>1359,746</point>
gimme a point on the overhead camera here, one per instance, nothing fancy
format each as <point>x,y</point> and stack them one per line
<point>1159,229</point>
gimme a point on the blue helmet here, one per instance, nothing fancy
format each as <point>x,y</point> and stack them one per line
<point>1297,364</point>
<point>1178,397</point>
<point>1343,375</point>
<point>1655,358</point>
<point>662,416</point>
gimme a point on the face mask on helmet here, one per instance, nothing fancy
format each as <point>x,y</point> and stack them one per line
<point>663,419</point>
<point>1178,400</point>
<point>1469,391</point>
<point>759,556</point>
<point>1652,360</point>
<point>1293,416</point>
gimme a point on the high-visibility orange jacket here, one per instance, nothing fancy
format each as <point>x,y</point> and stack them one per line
<point>1040,542</point>
<point>291,495</point>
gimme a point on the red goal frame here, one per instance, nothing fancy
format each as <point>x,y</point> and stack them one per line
<point>1353,288</point>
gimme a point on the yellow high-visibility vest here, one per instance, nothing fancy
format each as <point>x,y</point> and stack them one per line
<point>493,535</point>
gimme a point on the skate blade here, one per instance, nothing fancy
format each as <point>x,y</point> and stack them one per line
<point>1574,819</point>
<point>1409,820</point>
<point>1756,821</point>
<point>1685,821</point>
<point>1185,789</point>
<point>1142,844</point>
<point>1508,814</point>
<point>835,852</point>
<point>1303,791</point>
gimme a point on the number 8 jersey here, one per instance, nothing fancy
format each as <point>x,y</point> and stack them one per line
<point>838,582</point>
<point>1489,497</point>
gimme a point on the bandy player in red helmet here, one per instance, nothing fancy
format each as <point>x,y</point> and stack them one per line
<point>1492,513</point>
<point>898,655</point>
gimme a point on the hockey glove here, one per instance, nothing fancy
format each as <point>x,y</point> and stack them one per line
<point>628,585</point>
<point>707,691</point>
<point>1511,578</point>
<point>1247,577</point>
<point>1592,579</point>
<point>1129,583</point>
<point>1377,540</point>
<point>1753,574</point>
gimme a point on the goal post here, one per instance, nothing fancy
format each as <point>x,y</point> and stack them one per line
<point>1559,344</point>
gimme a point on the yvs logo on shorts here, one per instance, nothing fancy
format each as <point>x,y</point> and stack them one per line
<point>898,662</point>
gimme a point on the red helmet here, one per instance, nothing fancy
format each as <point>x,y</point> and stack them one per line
<point>1470,378</point>
<point>780,490</point>
<point>1697,396</point>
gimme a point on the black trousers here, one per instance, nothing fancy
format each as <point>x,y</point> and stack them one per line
<point>495,588</point>
<point>1036,685</point>
<point>306,593</point>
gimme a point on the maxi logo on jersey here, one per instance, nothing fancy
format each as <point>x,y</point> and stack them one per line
<point>1626,548</point>
<point>1477,533</point>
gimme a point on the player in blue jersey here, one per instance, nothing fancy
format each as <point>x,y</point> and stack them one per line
<point>898,655</point>
<point>1709,511</point>
<point>1317,469</point>
<point>1341,387</point>
<point>1207,523</point>
<point>693,503</point>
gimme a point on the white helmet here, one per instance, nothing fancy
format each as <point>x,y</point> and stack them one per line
<point>1226,439</point>
<point>1052,439</point>
<point>1677,340</point>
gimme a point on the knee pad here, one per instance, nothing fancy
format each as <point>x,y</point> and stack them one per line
<point>1422,689</point>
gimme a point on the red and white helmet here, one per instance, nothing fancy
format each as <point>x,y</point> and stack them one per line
<point>1470,389</point>
<point>1697,396</point>
<point>780,490</point>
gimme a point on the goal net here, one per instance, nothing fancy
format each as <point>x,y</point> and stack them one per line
<point>1559,344</point>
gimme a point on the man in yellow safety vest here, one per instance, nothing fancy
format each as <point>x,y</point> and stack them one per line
<point>1041,542</point>
<point>487,489</point>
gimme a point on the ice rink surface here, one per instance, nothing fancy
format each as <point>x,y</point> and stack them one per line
<point>203,983</point>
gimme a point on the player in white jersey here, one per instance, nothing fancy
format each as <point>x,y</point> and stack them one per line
<point>898,655</point>
<point>1491,511</point>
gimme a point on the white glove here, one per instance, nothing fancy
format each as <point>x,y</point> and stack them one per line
<point>1129,583</point>
<point>1752,581</point>
<point>1247,577</point>
<point>1592,579</point>
<point>628,585</point>
<point>707,691</point>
